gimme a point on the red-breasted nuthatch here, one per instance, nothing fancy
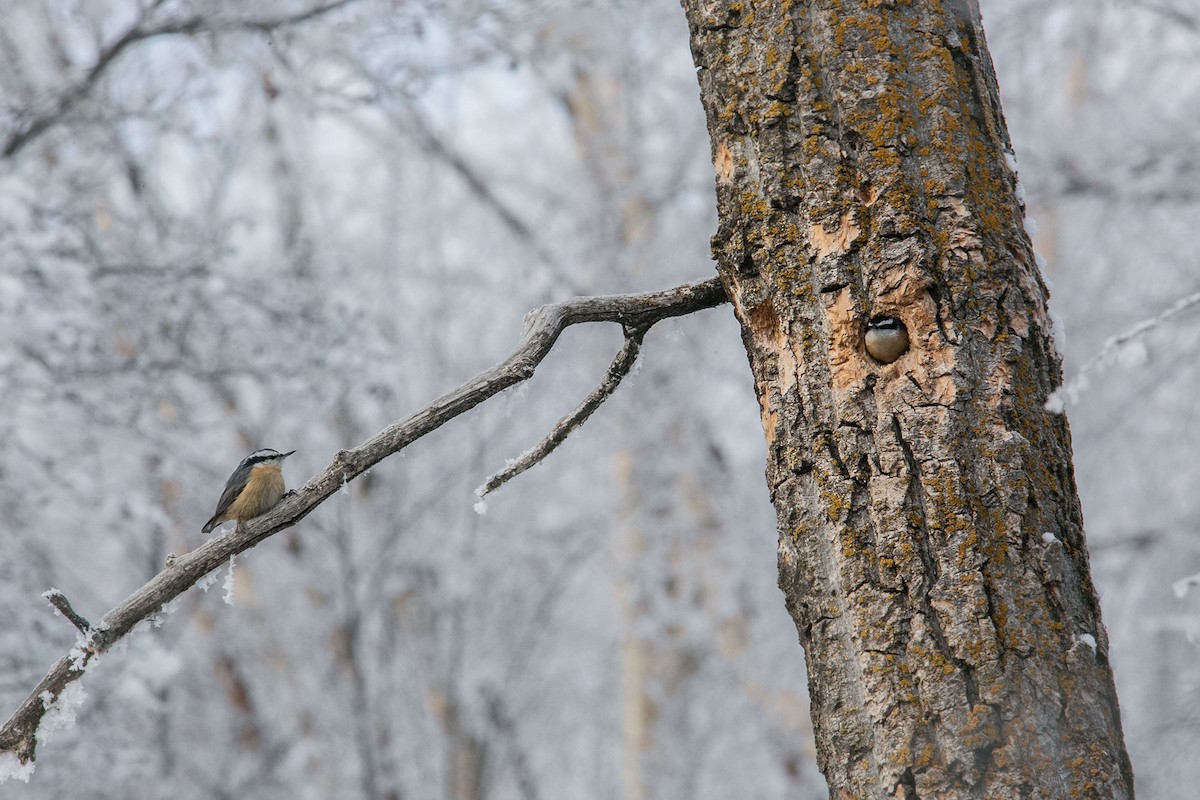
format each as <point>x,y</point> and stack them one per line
<point>886,339</point>
<point>253,488</point>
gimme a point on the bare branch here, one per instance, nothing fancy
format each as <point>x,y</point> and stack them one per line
<point>504,724</point>
<point>71,95</point>
<point>1181,18</point>
<point>440,149</point>
<point>542,329</point>
<point>60,601</point>
<point>617,371</point>
<point>1070,390</point>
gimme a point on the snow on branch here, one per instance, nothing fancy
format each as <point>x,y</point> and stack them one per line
<point>57,108</point>
<point>60,601</point>
<point>1070,390</point>
<point>617,371</point>
<point>635,312</point>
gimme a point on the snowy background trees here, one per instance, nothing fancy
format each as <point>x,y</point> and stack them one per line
<point>227,226</point>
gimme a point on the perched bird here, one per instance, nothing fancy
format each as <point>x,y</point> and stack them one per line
<point>886,339</point>
<point>253,488</point>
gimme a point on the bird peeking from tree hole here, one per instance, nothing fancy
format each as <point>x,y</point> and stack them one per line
<point>254,488</point>
<point>886,339</point>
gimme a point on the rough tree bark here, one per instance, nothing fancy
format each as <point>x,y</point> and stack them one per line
<point>931,545</point>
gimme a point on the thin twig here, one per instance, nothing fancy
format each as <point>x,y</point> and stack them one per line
<point>617,371</point>
<point>60,601</point>
<point>437,146</point>
<point>1175,15</point>
<point>71,95</point>
<point>1070,390</point>
<point>542,329</point>
<point>504,724</point>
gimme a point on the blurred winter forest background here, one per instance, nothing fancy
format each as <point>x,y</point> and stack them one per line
<point>232,225</point>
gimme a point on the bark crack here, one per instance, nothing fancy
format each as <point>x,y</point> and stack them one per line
<point>831,446</point>
<point>925,547</point>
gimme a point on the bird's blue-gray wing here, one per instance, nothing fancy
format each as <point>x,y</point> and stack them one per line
<point>233,487</point>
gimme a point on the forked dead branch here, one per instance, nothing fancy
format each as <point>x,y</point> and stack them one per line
<point>636,313</point>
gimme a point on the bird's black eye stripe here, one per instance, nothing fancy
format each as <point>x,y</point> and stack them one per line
<point>258,459</point>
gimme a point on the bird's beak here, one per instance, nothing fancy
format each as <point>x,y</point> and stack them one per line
<point>285,455</point>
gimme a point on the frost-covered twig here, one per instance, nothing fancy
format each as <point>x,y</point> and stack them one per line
<point>60,601</point>
<point>542,328</point>
<point>70,96</point>
<point>438,147</point>
<point>617,371</point>
<point>1069,391</point>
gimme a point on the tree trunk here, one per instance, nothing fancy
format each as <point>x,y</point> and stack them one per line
<point>931,544</point>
